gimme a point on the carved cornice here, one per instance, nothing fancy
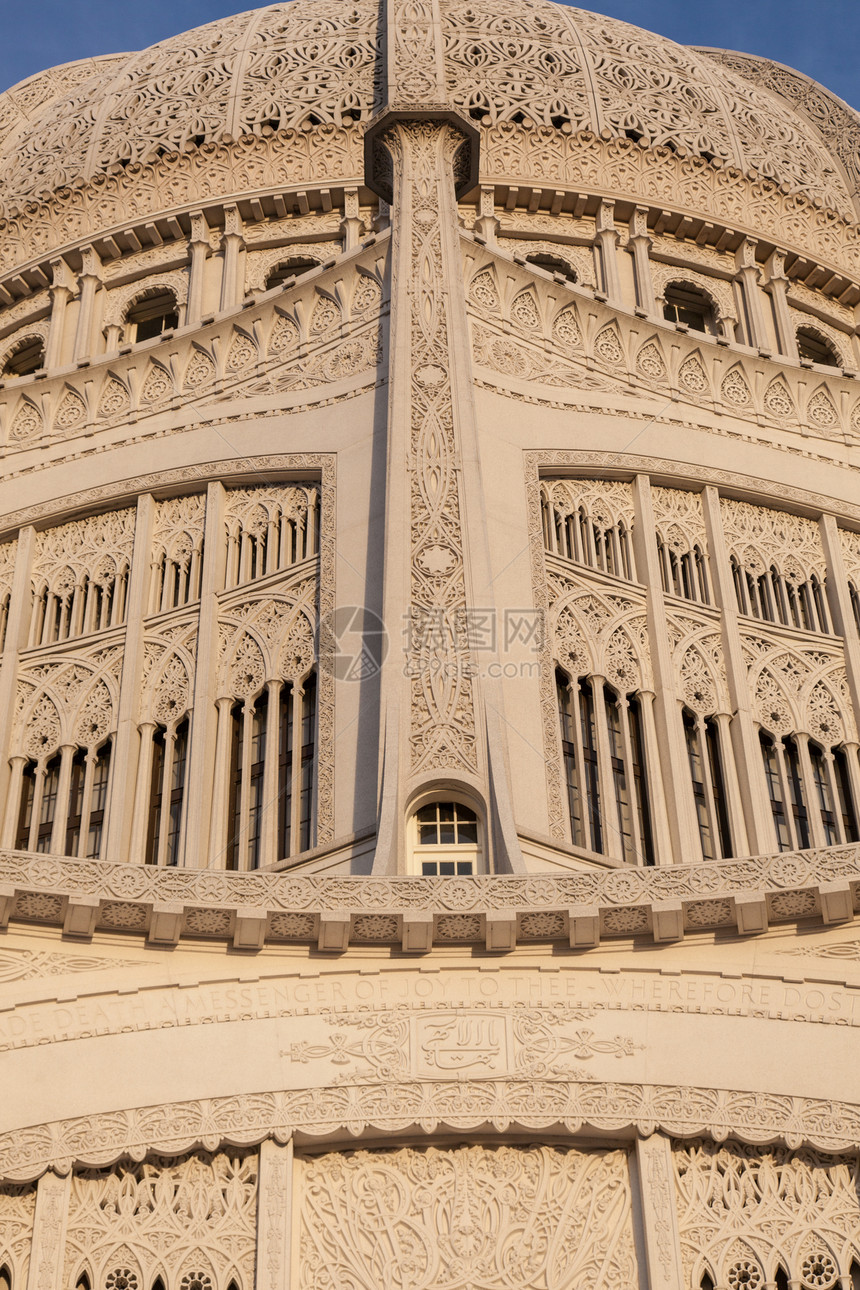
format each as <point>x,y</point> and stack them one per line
<point>486,1106</point>
<point>741,895</point>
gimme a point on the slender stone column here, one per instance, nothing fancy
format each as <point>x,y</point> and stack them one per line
<point>274,1216</point>
<point>685,846</point>
<point>659,1215</point>
<point>62,290</point>
<point>639,246</point>
<point>203,839</point>
<point>17,632</point>
<point>49,1233</point>
<point>776,285</point>
<point>749,277</point>
<point>607,241</point>
<point>233,243</point>
<point>199,249</point>
<point>90,278</point>
<point>124,771</point>
<point>744,733</point>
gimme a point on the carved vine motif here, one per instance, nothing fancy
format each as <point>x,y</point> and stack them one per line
<point>72,701</point>
<point>267,637</point>
<point>528,1043</point>
<point>769,1207</point>
<point>679,519</point>
<point>796,689</point>
<point>185,1220</point>
<point>95,545</point>
<point>455,1218</point>
<point>698,656</point>
<point>596,634</point>
<point>17,1210</point>
<point>760,537</point>
<point>28,965</point>
<point>443,734</point>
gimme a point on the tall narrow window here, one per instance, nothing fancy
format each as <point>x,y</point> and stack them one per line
<point>247,781</point>
<point>79,816</point>
<point>775,792</point>
<point>48,805</point>
<point>607,790</point>
<point>795,793</point>
<point>256,772</point>
<point>169,759</point>
<point>285,772</point>
<point>306,773</point>
<point>571,759</point>
<point>448,840</point>
<point>152,315</point>
<point>845,796</point>
<point>823,795</point>
<point>706,773</point>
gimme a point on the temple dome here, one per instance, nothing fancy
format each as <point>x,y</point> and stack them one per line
<point>311,64</point>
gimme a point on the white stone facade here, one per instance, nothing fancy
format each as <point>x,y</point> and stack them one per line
<point>430,687</point>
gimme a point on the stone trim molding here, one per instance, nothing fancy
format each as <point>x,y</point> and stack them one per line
<point>740,896</point>
<point>345,1112</point>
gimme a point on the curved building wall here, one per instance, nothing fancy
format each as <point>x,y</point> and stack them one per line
<point>430,687</point>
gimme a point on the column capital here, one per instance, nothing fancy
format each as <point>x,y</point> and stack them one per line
<point>378,170</point>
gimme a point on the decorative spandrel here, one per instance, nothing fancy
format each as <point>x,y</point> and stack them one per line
<point>438,662</point>
<point>504,1218</point>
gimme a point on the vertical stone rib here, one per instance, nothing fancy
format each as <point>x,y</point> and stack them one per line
<point>415,63</point>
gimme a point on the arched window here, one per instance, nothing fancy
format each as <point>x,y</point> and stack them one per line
<point>272,775</point>
<point>63,802</point>
<point>447,840</point>
<point>683,573</point>
<point>27,357</point>
<point>706,772</point>
<point>290,268</point>
<point>855,1275</point>
<point>810,792</point>
<point>554,264</point>
<point>706,1282</point>
<point>604,760</point>
<point>776,598</point>
<point>5,601</point>
<point>5,1278</point>
<point>157,1284</point>
<point>83,1282</point>
<point>590,538</point>
<point>269,529</point>
<point>167,793</point>
<point>152,315</point>
<point>685,303</point>
<point>780,1279</point>
<point>816,348</point>
<point>79,605</point>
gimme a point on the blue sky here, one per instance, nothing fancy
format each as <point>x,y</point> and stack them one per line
<point>821,39</point>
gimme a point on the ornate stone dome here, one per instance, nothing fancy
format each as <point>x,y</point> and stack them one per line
<point>315,65</point>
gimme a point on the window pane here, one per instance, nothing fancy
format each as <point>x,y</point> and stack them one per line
<point>467,832</point>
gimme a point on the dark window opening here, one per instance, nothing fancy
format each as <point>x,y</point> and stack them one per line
<point>292,268</point>
<point>26,358</point>
<point>152,316</point>
<point>813,347</point>
<point>553,264</point>
<point>690,305</point>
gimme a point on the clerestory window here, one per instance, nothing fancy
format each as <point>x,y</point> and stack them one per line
<point>685,303</point>
<point>151,316</point>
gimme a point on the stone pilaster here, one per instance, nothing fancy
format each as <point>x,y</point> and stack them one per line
<point>274,1216</point>
<point>659,1215</point>
<point>49,1233</point>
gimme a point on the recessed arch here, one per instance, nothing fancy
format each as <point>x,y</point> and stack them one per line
<point>815,347</point>
<point>554,264</point>
<point>26,357</point>
<point>290,267</point>
<point>688,303</point>
<point>153,312</point>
